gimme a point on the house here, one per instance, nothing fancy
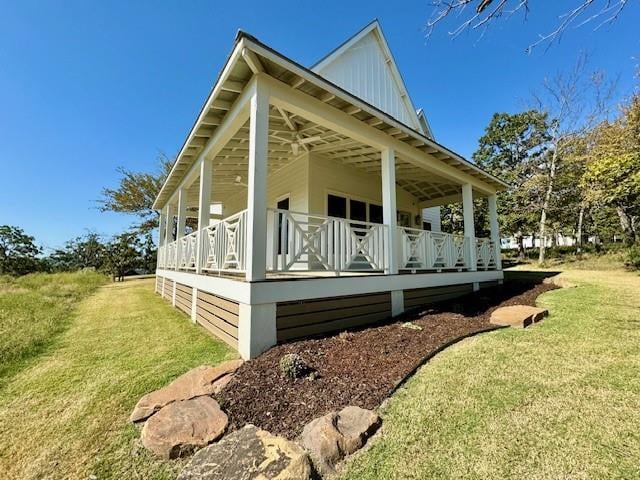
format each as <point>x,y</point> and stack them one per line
<point>309,188</point>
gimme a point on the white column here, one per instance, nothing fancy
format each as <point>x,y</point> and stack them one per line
<point>389,216</point>
<point>162,230</point>
<point>495,228</point>
<point>182,213</point>
<point>204,207</point>
<point>469,229</point>
<point>168,236</point>
<point>257,185</point>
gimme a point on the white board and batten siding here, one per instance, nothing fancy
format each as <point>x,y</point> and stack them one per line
<point>365,67</point>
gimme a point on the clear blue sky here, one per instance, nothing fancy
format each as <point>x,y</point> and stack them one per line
<point>88,86</point>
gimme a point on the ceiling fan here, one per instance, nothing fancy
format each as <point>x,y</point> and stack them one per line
<point>297,141</point>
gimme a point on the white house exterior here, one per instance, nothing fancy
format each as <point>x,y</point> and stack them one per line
<point>310,189</point>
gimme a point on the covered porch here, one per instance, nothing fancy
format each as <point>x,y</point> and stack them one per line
<point>292,197</point>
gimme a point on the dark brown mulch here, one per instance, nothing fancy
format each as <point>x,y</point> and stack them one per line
<point>360,367</point>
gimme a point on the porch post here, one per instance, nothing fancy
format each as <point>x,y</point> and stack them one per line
<point>168,234</point>
<point>162,230</point>
<point>182,213</point>
<point>389,216</point>
<point>469,229</point>
<point>204,208</point>
<point>495,228</point>
<point>257,185</point>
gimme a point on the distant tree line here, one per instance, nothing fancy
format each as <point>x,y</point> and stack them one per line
<point>573,167</point>
<point>124,254</point>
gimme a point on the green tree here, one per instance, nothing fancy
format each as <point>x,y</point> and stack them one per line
<point>123,255</point>
<point>87,251</point>
<point>612,177</point>
<point>513,147</point>
<point>18,252</point>
<point>135,195</point>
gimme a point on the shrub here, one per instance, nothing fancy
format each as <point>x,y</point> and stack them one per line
<point>293,366</point>
<point>632,259</point>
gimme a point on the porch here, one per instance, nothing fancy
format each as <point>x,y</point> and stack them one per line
<point>295,208</point>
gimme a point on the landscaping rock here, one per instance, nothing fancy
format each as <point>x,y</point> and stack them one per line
<point>334,436</point>
<point>203,380</point>
<point>518,316</point>
<point>181,427</point>
<point>249,453</point>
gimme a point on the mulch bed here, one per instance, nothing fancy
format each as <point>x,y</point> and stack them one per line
<point>359,367</point>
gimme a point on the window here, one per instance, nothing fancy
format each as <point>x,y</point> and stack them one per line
<point>358,210</point>
<point>336,206</point>
<point>426,225</point>
<point>375,213</point>
<point>404,219</point>
<point>282,205</point>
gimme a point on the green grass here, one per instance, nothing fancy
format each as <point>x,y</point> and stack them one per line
<point>34,311</point>
<point>558,400</point>
<point>65,414</point>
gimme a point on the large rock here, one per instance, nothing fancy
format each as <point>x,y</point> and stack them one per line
<point>519,316</point>
<point>181,427</point>
<point>334,436</point>
<point>203,380</point>
<point>249,453</point>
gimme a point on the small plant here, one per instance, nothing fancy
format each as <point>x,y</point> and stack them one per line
<point>293,366</point>
<point>632,259</point>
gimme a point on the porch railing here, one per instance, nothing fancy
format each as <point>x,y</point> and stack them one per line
<point>224,245</point>
<point>187,247</point>
<point>486,253</point>
<point>425,250</point>
<point>306,242</point>
<point>316,243</point>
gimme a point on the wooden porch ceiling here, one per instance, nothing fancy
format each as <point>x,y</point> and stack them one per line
<point>291,136</point>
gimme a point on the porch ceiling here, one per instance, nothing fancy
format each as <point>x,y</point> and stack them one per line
<point>249,56</point>
<point>290,136</point>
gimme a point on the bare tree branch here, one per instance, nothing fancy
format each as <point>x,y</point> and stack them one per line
<point>487,12</point>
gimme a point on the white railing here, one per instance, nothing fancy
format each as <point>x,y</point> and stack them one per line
<point>224,245</point>
<point>304,242</point>
<point>486,253</point>
<point>425,250</point>
<point>187,248</point>
<point>170,254</point>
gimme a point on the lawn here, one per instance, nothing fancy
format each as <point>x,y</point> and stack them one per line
<point>558,400</point>
<point>77,364</point>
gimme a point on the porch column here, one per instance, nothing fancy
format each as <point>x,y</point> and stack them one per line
<point>182,213</point>
<point>495,228</point>
<point>469,229</point>
<point>162,230</point>
<point>389,216</point>
<point>204,208</point>
<point>168,234</point>
<point>256,253</point>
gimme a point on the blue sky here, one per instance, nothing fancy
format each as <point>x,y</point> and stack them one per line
<point>88,86</point>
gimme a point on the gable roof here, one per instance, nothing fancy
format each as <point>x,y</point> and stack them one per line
<point>365,66</point>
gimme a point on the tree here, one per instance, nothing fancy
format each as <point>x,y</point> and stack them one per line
<point>122,255</point>
<point>512,148</point>
<point>612,177</point>
<point>87,251</point>
<point>575,101</point>
<point>136,193</point>
<point>486,12</point>
<point>18,252</point>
